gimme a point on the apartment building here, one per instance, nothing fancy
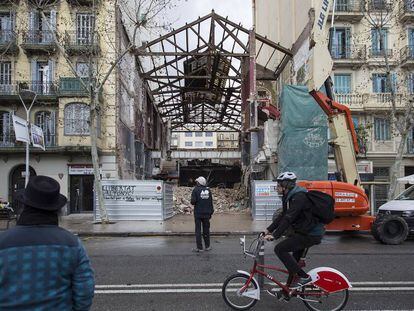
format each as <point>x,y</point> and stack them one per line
<point>194,140</point>
<point>30,59</point>
<point>228,140</point>
<point>359,72</point>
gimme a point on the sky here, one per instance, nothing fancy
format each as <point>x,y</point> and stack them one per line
<point>238,11</point>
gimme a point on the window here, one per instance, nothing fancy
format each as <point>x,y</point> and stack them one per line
<point>379,83</point>
<point>82,69</point>
<point>232,136</point>
<point>199,144</point>
<point>209,134</point>
<point>382,130</point>
<point>198,134</point>
<point>209,144</point>
<point>40,29</point>
<point>188,134</point>
<point>84,28</point>
<point>6,129</point>
<point>355,120</point>
<point>379,47</point>
<point>6,26</point>
<point>76,118</point>
<point>222,136</point>
<point>342,83</point>
<point>410,42</point>
<point>340,43</point>
<point>42,76</point>
<point>5,77</point>
<point>188,143</point>
<point>46,121</point>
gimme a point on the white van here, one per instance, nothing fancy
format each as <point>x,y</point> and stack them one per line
<point>397,217</point>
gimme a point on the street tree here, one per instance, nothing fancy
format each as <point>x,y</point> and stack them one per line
<point>382,15</point>
<point>137,16</point>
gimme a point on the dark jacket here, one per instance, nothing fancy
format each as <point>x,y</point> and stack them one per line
<point>202,200</point>
<point>44,267</point>
<point>296,213</point>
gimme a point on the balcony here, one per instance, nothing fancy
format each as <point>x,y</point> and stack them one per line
<point>407,56</point>
<point>352,101</point>
<point>406,12</point>
<point>83,2</point>
<point>38,41</point>
<point>7,138</point>
<point>85,43</point>
<point>380,6</point>
<point>44,90</point>
<point>348,11</point>
<point>349,55</point>
<point>8,42</point>
<point>380,53</point>
<point>72,87</point>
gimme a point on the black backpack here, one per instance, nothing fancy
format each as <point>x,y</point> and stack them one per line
<point>323,206</point>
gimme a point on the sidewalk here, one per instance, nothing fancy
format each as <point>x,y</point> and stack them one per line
<point>221,224</point>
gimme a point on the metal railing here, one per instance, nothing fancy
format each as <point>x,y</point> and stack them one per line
<point>7,139</point>
<point>349,6</point>
<point>38,37</point>
<point>76,126</point>
<point>39,87</point>
<point>73,86</point>
<point>379,5</point>
<point>407,53</point>
<point>350,52</point>
<point>380,52</point>
<point>8,89</point>
<point>386,98</point>
<point>7,36</point>
<point>81,39</point>
<point>406,6</point>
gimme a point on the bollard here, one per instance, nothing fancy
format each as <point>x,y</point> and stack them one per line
<point>261,262</point>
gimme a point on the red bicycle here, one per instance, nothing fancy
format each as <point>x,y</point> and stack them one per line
<point>327,291</point>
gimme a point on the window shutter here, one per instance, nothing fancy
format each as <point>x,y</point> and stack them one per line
<point>394,81</point>
<point>51,64</point>
<point>374,38</point>
<point>34,70</point>
<point>53,20</point>
<point>375,84</point>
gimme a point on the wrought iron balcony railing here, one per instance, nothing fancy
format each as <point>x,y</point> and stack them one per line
<point>7,138</point>
<point>380,53</point>
<point>406,6</point>
<point>41,88</point>
<point>349,6</point>
<point>379,5</point>
<point>82,41</point>
<point>350,52</point>
<point>38,37</point>
<point>7,36</point>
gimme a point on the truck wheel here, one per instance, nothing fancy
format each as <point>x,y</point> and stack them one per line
<point>391,229</point>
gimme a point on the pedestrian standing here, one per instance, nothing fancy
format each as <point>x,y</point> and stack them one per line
<point>202,200</point>
<point>43,266</point>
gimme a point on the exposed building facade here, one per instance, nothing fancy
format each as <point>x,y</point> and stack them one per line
<point>359,73</point>
<point>228,140</point>
<point>194,140</point>
<point>30,59</point>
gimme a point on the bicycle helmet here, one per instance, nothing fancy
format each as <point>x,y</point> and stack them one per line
<point>287,179</point>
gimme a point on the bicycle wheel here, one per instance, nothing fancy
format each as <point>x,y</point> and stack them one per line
<point>232,295</point>
<point>318,300</point>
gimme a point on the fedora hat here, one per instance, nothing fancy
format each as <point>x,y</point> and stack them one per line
<point>42,192</point>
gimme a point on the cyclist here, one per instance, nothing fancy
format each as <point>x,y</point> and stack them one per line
<point>297,214</point>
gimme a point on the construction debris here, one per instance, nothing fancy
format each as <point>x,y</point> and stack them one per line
<point>224,200</point>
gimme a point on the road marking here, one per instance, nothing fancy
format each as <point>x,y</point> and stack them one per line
<point>170,285</point>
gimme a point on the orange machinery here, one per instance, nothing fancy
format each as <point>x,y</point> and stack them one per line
<point>351,201</point>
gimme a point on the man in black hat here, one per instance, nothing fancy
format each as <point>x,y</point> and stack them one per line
<point>43,266</point>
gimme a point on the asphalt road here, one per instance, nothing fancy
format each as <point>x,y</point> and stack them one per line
<point>161,273</point>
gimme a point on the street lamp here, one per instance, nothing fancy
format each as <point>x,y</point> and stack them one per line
<point>27,93</point>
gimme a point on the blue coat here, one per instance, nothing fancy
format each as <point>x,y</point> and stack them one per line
<point>44,267</point>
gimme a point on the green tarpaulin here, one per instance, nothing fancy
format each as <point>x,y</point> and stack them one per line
<point>303,144</point>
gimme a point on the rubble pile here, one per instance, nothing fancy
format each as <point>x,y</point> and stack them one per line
<point>224,200</point>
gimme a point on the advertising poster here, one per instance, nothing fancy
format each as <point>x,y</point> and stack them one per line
<point>38,139</point>
<point>20,129</point>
